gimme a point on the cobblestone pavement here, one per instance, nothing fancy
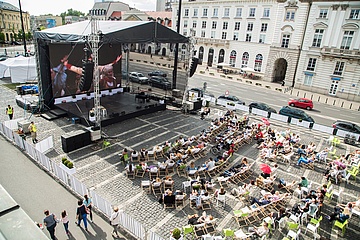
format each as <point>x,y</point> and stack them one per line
<point>100,168</point>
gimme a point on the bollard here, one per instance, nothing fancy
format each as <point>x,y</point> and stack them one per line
<point>326,100</point>
<point>319,99</point>
<point>297,94</point>
<point>342,104</point>
<point>304,95</point>
<point>350,105</point>
<point>311,96</point>
<point>334,102</point>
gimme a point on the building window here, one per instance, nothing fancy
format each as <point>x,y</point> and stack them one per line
<point>203,33</point>
<point>347,39</point>
<point>311,64</point>
<point>238,12</point>
<point>266,13</point>
<point>264,27</point>
<point>237,26</point>
<point>339,67</point>
<point>203,24</point>
<point>355,14</point>
<point>205,12</point>
<point>323,13</point>
<point>215,12</point>
<point>262,38</point>
<point>194,24</point>
<point>236,36</point>
<point>318,37</point>
<point>248,37</point>
<point>185,32</point>
<point>258,63</point>
<point>212,34</point>
<point>185,23</point>
<point>252,12</point>
<point>290,15</point>
<point>223,35</point>
<point>225,25</point>
<point>226,12</point>
<point>245,59</point>
<point>250,27</point>
<point>232,58</point>
<point>285,40</point>
<point>308,80</point>
<point>186,12</point>
<point>213,26</point>
<point>196,12</point>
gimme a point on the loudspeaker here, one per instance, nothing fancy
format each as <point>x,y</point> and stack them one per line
<point>114,115</point>
<point>123,113</point>
<point>87,76</point>
<point>138,107</point>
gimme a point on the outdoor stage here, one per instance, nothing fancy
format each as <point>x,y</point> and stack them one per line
<point>117,106</point>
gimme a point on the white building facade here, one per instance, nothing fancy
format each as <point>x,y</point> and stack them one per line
<point>275,38</point>
<point>330,57</point>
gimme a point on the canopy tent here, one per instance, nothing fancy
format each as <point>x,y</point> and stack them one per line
<point>20,69</point>
<point>223,64</point>
<point>114,32</point>
<point>248,69</point>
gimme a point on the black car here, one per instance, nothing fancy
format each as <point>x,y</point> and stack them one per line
<point>262,106</point>
<point>295,113</point>
<point>157,73</point>
<point>225,100</point>
<point>15,43</point>
<point>346,126</point>
<point>159,82</point>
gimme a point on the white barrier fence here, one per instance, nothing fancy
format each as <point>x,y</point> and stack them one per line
<point>37,153</point>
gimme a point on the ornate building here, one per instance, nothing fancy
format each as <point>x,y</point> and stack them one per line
<point>299,42</point>
<point>10,21</point>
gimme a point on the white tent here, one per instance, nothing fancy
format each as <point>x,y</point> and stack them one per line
<point>20,69</point>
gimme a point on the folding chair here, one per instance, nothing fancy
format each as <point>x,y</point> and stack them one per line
<point>168,185</point>
<point>181,170</point>
<point>206,204</point>
<point>151,156</point>
<point>223,181</point>
<point>186,184</point>
<point>162,171</point>
<point>139,172</point>
<point>106,144</point>
<point>153,173</point>
<point>130,174</point>
<point>240,216</point>
<point>169,201</point>
<point>157,188</point>
<point>180,200</point>
<point>210,227</point>
<point>146,186</point>
<point>221,198</point>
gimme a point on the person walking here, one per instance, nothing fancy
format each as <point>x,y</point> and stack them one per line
<point>10,112</point>
<point>88,204</point>
<point>65,221</point>
<point>115,221</point>
<point>50,223</point>
<point>33,130</point>
<point>81,214</point>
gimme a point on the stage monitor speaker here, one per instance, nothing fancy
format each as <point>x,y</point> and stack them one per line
<point>87,76</point>
<point>123,113</point>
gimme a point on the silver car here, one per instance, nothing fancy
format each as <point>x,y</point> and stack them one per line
<point>138,77</point>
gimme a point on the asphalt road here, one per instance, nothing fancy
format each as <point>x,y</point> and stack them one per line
<point>34,190</point>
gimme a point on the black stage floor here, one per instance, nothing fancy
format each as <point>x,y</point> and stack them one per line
<point>119,107</point>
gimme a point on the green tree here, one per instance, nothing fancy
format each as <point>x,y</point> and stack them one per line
<point>2,37</point>
<point>20,35</point>
<point>28,36</point>
<point>71,12</point>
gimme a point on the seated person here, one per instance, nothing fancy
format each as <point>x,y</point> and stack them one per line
<point>130,168</point>
<point>264,201</point>
<point>220,191</point>
<point>305,160</point>
<point>191,167</point>
<point>210,164</point>
<point>339,214</point>
<point>304,182</point>
<point>260,231</point>
<point>134,155</point>
<point>205,218</point>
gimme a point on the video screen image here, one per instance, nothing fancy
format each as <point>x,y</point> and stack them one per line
<point>66,68</point>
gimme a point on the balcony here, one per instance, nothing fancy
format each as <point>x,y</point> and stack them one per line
<point>212,41</point>
<point>290,46</point>
<point>343,53</point>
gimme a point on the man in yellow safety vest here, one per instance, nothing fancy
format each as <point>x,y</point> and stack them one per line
<point>32,129</point>
<point>10,111</point>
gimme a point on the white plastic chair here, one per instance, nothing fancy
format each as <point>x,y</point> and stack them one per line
<point>294,235</point>
<point>312,228</point>
<point>186,184</point>
<point>330,139</point>
<point>207,237</point>
<point>220,198</point>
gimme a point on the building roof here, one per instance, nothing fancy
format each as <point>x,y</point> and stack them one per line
<point>162,15</point>
<point>8,6</point>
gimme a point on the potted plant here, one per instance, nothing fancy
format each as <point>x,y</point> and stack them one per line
<point>67,166</point>
<point>176,234</point>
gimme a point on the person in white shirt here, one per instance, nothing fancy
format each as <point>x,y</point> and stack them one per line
<point>115,221</point>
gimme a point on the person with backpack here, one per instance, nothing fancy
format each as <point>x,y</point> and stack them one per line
<point>50,223</point>
<point>115,221</point>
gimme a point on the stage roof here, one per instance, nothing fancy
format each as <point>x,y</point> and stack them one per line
<point>114,32</point>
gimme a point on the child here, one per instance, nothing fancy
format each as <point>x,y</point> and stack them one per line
<point>65,221</point>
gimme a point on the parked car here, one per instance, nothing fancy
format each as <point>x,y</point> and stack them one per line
<point>159,82</point>
<point>346,126</point>
<point>295,113</point>
<point>201,92</point>
<point>157,73</point>
<point>224,100</point>
<point>138,77</point>
<point>301,103</point>
<point>15,43</point>
<point>262,106</point>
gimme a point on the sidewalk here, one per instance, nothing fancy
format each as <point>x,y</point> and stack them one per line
<point>34,190</point>
<point>201,70</point>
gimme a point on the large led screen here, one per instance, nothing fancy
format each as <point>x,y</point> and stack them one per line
<point>66,67</point>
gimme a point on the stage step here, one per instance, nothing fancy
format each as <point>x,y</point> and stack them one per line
<point>58,112</point>
<point>49,116</point>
